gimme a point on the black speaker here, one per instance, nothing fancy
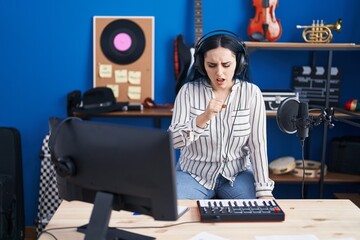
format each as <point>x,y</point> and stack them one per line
<point>231,40</point>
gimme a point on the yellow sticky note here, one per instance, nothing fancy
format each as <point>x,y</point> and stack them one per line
<point>134,77</point>
<point>115,89</point>
<point>105,70</point>
<point>134,92</point>
<point>121,76</point>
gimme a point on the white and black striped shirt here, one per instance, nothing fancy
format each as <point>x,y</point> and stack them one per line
<point>235,140</point>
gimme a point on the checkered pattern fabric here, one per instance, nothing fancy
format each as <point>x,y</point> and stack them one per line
<point>49,199</point>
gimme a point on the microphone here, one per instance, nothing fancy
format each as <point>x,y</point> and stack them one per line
<point>302,121</point>
<point>293,117</point>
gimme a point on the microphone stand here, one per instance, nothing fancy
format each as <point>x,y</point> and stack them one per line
<point>327,116</point>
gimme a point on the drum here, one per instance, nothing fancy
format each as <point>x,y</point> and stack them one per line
<point>312,169</point>
<point>282,165</point>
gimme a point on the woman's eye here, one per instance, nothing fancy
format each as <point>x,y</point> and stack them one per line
<point>226,65</point>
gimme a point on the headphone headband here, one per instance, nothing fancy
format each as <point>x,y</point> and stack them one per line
<point>241,55</point>
<point>216,32</point>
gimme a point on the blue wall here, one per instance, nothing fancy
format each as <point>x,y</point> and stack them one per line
<point>46,52</point>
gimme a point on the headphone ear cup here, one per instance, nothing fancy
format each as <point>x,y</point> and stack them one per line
<point>242,64</point>
<point>65,167</point>
<point>198,63</point>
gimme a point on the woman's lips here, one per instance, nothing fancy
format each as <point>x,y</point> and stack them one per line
<point>220,80</point>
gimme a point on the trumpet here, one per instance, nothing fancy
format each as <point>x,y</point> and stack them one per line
<point>318,32</point>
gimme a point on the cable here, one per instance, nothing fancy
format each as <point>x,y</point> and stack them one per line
<point>51,142</point>
<point>163,226</point>
<point>63,165</point>
<point>48,231</point>
<point>303,167</point>
<point>232,127</point>
<point>53,136</point>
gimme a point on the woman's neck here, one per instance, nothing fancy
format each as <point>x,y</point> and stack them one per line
<point>222,94</point>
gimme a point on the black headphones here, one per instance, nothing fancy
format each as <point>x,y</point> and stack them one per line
<point>241,51</point>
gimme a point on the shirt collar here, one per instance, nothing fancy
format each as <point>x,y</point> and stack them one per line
<point>236,84</point>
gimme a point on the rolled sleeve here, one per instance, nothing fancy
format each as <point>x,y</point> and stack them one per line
<point>264,189</point>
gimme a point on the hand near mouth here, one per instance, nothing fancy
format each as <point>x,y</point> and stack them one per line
<point>213,108</point>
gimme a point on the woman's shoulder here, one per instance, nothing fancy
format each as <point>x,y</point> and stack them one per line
<point>248,86</point>
<point>190,88</point>
<point>197,83</point>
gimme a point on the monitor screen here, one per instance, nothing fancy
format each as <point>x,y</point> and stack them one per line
<point>127,167</point>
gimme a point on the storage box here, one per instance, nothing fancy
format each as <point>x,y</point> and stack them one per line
<point>345,155</point>
<point>273,98</point>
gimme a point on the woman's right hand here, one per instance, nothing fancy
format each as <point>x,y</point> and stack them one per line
<point>213,108</point>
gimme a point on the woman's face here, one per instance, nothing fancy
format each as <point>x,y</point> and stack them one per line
<point>220,64</point>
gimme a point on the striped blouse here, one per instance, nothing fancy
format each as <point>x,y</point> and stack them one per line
<point>233,141</point>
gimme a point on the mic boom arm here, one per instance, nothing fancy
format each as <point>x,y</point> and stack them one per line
<point>354,115</point>
<point>326,116</point>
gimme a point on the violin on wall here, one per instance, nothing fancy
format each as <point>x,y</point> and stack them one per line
<point>264,26</point>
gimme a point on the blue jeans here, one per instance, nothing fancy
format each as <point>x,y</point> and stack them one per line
<point>189,188</point>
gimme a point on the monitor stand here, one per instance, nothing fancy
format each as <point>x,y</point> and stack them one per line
<point>98,229</point>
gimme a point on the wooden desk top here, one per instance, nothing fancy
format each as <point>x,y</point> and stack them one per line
<point>324,219</point>
<point>167,112</point>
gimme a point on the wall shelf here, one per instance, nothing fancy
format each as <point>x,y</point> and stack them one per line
<point>330,48</point>
<point>331,177</point>
<point>302,46</point>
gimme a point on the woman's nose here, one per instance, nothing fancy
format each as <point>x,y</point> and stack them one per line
<point>219,70</point>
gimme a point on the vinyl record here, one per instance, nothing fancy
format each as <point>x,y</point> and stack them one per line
<point>122,41</point>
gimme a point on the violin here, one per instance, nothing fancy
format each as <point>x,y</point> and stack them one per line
<point>264,26</point>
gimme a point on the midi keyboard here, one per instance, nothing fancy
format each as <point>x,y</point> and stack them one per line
<point>240,210</point>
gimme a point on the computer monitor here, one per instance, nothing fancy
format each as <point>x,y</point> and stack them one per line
<point>115,167</point>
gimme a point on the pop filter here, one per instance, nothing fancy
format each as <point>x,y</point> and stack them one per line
<point>287,114</point>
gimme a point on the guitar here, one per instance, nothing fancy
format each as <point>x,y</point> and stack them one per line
<point>184,54</point>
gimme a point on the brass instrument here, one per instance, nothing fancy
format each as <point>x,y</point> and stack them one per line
<point>319,32</point>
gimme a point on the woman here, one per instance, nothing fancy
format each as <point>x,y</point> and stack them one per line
<point>219,123</point>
